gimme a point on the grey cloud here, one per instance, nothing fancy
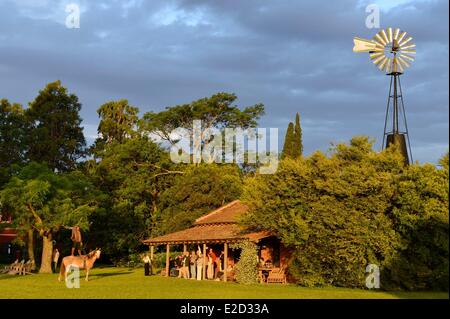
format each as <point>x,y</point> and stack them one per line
<point>294,56</point>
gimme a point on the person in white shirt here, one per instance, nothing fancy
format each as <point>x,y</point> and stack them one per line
<point>147,264</point>
<point>55,258</point>
<point>199,263</point>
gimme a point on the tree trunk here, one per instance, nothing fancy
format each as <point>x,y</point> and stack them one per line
<point>47,251</point>
<point>30,247</point>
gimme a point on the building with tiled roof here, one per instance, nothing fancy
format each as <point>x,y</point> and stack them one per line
<point>220,228</point>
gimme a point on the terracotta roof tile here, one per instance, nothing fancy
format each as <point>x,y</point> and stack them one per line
<point>224,214</point>
<point>217,226</point>
<point>201,233</point>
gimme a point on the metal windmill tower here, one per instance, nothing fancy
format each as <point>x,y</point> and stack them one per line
<point>392,50</point>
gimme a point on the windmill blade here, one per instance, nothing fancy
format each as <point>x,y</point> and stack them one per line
<point>378,47</point>
<point>388,65</point>
<point>408,46</point>
<point>405,41</point>
<point>380,39</point>
<point>378,42</point>
<point>402,62</point>
<point>376,55</point>
<point>383,63</point>
<point>363,45</point>
<point>389,34</point>
<point>396,33</point>
<point>401,36</point>
<point>383,34</point>
<point>379,59</point>
<point>409,51</point>
<point>410,58</point>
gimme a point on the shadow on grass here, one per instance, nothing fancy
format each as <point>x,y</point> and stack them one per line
<point>109,274</point>
<point>6,276</point>
<point>12,276</point>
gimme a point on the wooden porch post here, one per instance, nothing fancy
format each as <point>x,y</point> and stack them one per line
<point>167,259</point>
<point>204,262</point>
<point>184,248</point>
<point>225,261</point>
<point>151,259</point>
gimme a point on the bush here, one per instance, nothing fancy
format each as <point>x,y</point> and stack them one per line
<point>353,208</point>
<point>246,272</point>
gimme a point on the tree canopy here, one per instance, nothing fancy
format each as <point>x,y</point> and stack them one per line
<point>343,212</point>
<point>39,199</point>
<point>56,136</point>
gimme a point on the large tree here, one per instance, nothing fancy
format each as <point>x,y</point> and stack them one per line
<point>117,121</point>
<point>133,172</point>
<point>198,191</point>
<point>354,208</point>
<point>334,212</point>
<point>40,200</point>
<point>56,137</point>
<point>12,138</point>
<point>420,216</point>
<point>298,143</point>
<point>288,141</point>
<point>215,112</point>
<point>293,145</point>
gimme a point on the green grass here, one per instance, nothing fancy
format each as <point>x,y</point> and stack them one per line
<point>131,283</point>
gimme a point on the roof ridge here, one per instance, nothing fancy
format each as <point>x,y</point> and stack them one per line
<point>217,210</point>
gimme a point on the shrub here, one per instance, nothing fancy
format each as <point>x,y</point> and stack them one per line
<point>246,272</point>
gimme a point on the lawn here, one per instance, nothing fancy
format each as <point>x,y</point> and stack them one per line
<point>121,283</point>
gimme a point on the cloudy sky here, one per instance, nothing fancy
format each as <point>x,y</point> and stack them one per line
<point>293,56</point>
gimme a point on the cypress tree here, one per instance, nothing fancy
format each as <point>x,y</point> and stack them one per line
<point>288,141</point>
<point>297,148</point>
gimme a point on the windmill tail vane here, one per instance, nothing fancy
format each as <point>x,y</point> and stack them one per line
<point>392,51</point>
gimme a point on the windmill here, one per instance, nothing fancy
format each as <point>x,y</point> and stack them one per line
<point>392,52</point>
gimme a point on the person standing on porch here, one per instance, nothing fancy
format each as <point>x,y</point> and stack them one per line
<point>211,264</point>
<point>185,263</point>
<point>199,262</point>
<point>193,264</point>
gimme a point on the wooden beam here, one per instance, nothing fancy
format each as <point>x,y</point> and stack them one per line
<point>204,262</point>
<point>225,261</point>
<point>184,248</point>
<point>167,259</point>
<point>151,259</point>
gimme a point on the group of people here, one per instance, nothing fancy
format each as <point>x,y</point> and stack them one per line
<point>190,265</point>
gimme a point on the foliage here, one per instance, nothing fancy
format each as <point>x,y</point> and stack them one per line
<point>420,215</point>
<point>12,134</point>
<point>336,212</point>
<point>118,121</point>
<point>288,141</point>
<point>198,191</point>
<point>293,146</point>
<point>56,137</point>
<point>133,173</point>
<point>44,201</point>
<point>246,272</point>
<point>298,145</point>
<point>216,111</point>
